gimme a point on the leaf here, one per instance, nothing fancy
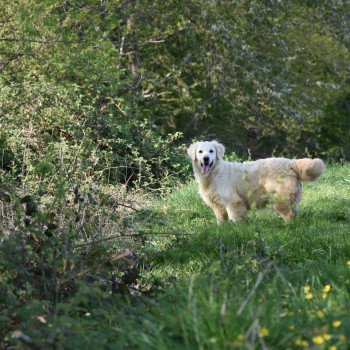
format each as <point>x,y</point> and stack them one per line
<point>5,197</point>
<point>26,199</point>
<point>31,208</point>
<point>91,199</point>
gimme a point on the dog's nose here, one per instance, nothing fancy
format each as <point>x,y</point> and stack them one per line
<point>206,159</point>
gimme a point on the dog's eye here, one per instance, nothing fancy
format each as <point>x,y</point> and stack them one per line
<point>211,151</point>
<point>200,151</point>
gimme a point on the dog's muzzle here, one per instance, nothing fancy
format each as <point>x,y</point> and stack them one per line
<point>206,166</point>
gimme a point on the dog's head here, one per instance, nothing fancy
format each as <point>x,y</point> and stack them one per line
<point>205,155</point>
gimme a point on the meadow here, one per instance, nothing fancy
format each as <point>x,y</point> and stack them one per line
<point>264,283</point>
<point>260,284</point>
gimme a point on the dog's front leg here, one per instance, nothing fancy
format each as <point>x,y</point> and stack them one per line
<point>221,215</point>
<point>237,210</point>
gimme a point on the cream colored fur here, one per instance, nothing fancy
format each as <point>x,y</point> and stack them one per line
<point>231,189</point>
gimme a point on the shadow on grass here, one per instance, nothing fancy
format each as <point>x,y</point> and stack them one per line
<point>320,224</point>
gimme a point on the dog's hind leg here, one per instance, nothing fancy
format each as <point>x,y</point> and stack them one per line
<point>286,202</point>
<point>287,210</point>
<point>237,210</point>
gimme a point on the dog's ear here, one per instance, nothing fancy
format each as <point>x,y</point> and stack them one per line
<point>191,151</point>
<point>220,149</point>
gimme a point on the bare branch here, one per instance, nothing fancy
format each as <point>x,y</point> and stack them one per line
<point>40,41</point>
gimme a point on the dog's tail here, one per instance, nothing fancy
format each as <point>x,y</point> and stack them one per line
<point>308,169</point>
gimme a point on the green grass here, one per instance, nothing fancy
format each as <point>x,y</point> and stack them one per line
<point>216,268</point>
<point>257,284</point>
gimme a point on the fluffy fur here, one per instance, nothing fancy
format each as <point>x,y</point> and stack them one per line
<point>231,189</point>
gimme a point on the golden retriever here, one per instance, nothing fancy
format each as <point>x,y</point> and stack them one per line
<point>231,189</point>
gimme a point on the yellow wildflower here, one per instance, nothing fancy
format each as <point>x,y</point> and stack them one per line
<point>308,296</point>
<point>318,339</point>
<point>324,295</point>
<point>320,314</point>
<point>336,323</point>
<point>264,332</point>
<point>342,337</point>
<point>301,343</point>
<point>306,288</point>
<point>333,347</point>
<point>348,263</point>
<point>327,288</point>
<point>298,342</point>
<point>326,336</point>
<point>241,337</point>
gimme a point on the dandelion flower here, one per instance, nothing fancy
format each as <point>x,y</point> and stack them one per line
<point>298,342</point>
<point>320,314</point>
<point>342,337</point>
<point>348,263</point>
<point>327,288</point>
<point>336,323</point>
<point>301,343</point>
<point>264,332</point>
<point>307,287</point>
<point>241,337</point>
<point>318,339</point>
<point>327,336</point>
<point>324,295</point>
<point>308,296</point>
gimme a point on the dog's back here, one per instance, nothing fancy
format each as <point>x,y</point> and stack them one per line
<point>303,169</point>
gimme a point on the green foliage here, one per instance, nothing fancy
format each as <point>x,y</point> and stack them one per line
<point>257,75</point>
<point>67,103</point>
<point>55,263</point>
<point>263,76</point>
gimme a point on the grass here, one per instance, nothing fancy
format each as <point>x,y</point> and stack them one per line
<point>260,284</point>
<point>264,283</point>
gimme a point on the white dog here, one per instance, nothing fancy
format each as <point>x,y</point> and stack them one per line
<point>231,189</point>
